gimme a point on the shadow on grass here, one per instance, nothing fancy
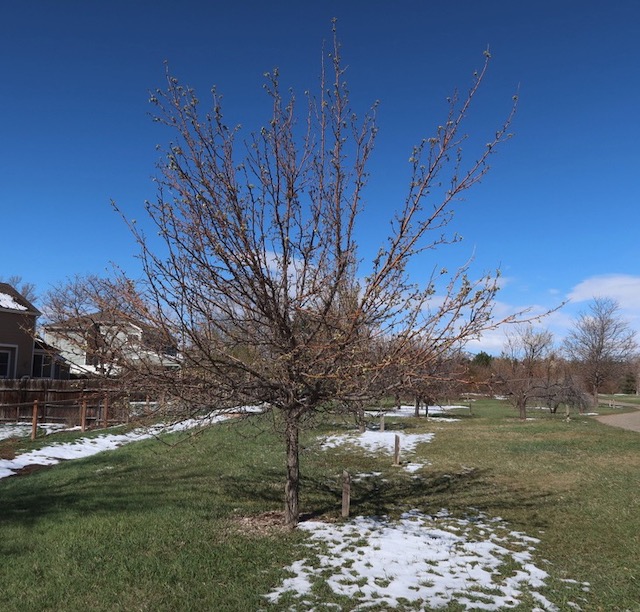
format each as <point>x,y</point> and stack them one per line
<point>113,486</point>
<point>243,476</point>
<point>432,491</point>
<point>120,490</point>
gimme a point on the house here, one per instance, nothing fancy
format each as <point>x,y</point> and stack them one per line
<point>48,362</point>
<point>104,343</point>
<point>21,352</point>
<point>17,332</point>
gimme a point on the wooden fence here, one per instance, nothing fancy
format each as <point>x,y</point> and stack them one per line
<point>45,390</point>
<point>84,403</point>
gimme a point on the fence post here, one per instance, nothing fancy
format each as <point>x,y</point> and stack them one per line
<point>382,422</point>
<point>396,453</point>
<point>83,415</point>
<point>346,493</point>
<point>34,420</point>
<point>105,421</point>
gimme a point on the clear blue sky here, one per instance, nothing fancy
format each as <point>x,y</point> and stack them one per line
<point>558,212</point>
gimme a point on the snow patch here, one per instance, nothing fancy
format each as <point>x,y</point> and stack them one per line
<point>21,430</point>
<point>431,561</point>
<point>7,301</point>
<point>410,411</point>
<point>376,441</point>
<point>86,447</point>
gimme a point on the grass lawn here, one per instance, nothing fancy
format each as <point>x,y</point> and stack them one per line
<point>155,526</point>
<point>619,399</point>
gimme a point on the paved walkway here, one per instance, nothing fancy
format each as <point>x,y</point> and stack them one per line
<point>628,420</point>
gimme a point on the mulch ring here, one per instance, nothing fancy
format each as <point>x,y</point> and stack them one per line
<point>267,523</point>
<point>8,448</point>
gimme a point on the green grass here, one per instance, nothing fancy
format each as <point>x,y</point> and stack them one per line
<point>618,399</point>
<point>159,527</point>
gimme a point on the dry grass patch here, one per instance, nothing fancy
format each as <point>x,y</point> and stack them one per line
<point>260,525</point>
<point>8,448</point>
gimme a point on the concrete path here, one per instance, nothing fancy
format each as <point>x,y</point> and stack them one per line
<point>628,420</point>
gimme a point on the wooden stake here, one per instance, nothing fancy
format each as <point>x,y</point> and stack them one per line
<point>34,420</point>
<point>106,412</point>
<point>83,415</point>
<point>346,493</point>
<point>396,453</point>
<point>382,423</point>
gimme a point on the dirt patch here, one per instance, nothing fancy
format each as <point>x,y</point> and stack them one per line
<point>268,523</point>
<point>30,469</point>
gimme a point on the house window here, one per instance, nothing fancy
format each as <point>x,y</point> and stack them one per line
<point>8,361</point>
<point>41,366</point>
<point>5,364</point>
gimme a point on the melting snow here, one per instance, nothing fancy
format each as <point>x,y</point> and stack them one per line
<point>7,301</point>
<point>434,561</point>
<point>410,411</point>
<point>382,441</point>
<point>85,447</point>
<point>375,441</point>
<point>21,430</point>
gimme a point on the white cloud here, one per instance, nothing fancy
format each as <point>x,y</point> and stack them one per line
<point>624,288</point>
<point>493,341</point>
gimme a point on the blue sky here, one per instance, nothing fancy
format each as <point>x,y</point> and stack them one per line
<point>558,213</point>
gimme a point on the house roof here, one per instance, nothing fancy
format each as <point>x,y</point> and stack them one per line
<point>151,334</point>
<point>96,318</point>
<point>13,301</point>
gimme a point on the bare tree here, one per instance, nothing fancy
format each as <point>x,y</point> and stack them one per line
<point>258,272</point>
<point>522,368</point>
<point>559,386</point>
<point>97,325</point>
<point>26,289</point>
<point>600,343</point>
<point>430,379</point>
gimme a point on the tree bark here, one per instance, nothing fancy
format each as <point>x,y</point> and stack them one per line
<point>292,486</point>
<point>522,409</point>
<point>361,419</point>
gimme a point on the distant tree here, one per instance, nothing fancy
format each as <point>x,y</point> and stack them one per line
<point>600,343</point>
<point>523,365</point>
<point>482,360</point>
<point>480,372</point>
<point>629,383</point>
<point>26,289</point>
<point>560,386</point>
<point>253,261</point>
<point>97,323</point>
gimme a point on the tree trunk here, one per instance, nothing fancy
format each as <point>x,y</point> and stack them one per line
<point>292,486</point>
<point>522,409</point>
<point>361,419</point>
<point>417,406</point>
